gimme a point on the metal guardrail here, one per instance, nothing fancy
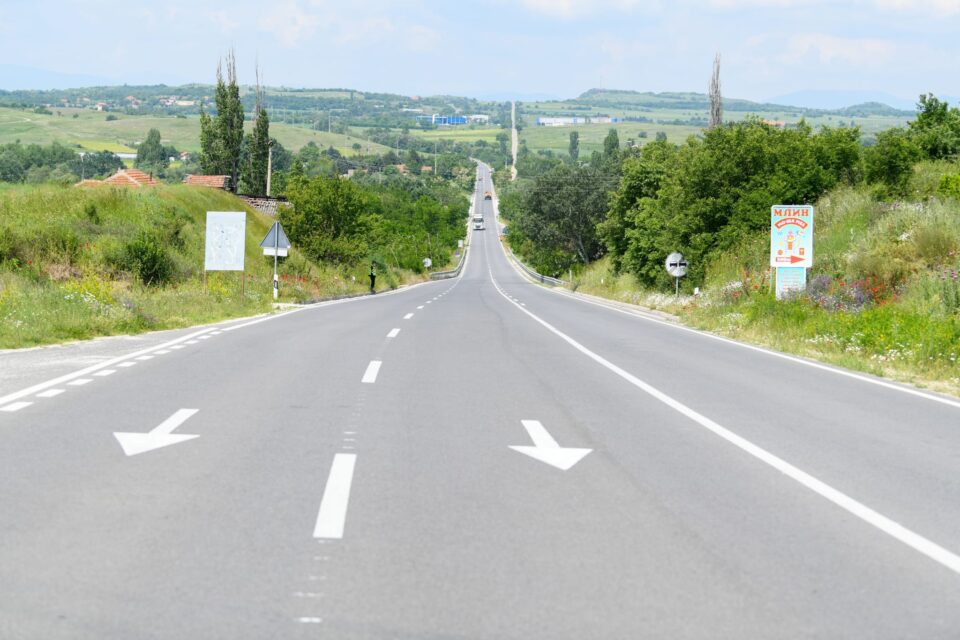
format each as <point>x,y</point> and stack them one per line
<point>539,277</point>
<point>453,273</point>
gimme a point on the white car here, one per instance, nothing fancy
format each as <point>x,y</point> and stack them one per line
<point>478,223</point>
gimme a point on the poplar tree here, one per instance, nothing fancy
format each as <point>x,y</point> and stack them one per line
<point>221,137</point>
<point>258,149</point>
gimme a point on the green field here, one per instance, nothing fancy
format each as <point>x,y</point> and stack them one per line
<point>91,131</point>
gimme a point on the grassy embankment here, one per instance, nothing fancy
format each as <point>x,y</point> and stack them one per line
<point>883,296</point>
<point>93,132</point>
<point>73,264</point>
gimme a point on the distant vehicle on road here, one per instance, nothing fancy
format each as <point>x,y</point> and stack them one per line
<point>488,196</point>
<point>478,222</point>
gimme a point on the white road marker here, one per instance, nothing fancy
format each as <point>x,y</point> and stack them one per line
<point>191,342</point>
<point>160,436</point>
<point>306,620</point>
<point>145,358</point>
<point>105,372</point>
<point>50,393</point>
<point>336,497</point>
<point>393,333</point>
<point>408,316</point>
<point>79,382</point>
<point>546,449</point>
<point>127,364</point>
<point>892,528</point>
<point>162,352</point>
<point>15,406</point>
<point>177,346</point>
<point>370,375</point>
<point>428,302</point>
<point>420,307</point>
<point>206,337</point>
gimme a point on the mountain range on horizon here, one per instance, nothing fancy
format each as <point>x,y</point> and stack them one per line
<point>18,77</point>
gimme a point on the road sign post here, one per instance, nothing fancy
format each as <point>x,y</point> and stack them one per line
<point>677,267</point>
<point>791,246</point>
<point>275,244</point>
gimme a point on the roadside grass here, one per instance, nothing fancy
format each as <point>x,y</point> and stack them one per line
<point>66,270</point>
<point>883,296</point>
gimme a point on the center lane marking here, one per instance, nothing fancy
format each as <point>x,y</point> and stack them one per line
<point>408,316</point>
<point>336,497</point>
<point>393,333</point>
<point>370,375</point>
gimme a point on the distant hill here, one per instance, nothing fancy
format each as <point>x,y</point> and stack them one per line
<point>839,99</point>
<point>613,98</point>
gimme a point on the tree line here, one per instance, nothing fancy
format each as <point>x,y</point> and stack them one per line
<point>706,196</point>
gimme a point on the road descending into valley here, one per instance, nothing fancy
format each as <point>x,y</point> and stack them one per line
<point>479,457</point>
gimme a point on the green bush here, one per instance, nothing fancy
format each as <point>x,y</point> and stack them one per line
<point>146,259</point>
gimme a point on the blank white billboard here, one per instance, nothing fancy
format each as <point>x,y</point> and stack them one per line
<point>226,235</point>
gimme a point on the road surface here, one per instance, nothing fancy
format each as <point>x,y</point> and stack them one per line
<point>474,458</point>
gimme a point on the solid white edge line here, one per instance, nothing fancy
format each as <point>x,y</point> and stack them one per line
<point>892,528</point>
<point>332,516</point>
<point>184,339</point>
<point>370,375</point>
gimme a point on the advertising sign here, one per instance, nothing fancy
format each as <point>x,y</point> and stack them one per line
<point>790,280</point>
<point>791,236</point>
<point>226,232</point>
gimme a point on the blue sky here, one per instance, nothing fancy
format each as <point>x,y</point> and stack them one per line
<point>483,47</point>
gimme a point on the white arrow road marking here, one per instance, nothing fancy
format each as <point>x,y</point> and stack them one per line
<point>546,449</point>
<point>160,436</point>
<point>336,497</point>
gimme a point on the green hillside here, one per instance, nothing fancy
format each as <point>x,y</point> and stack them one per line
<point>77,263</point>
<point>92,131</point>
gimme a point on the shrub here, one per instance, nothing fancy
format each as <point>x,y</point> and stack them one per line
<point>146,258</point>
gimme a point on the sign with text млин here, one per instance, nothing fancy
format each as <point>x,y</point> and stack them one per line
<point>791,236</point>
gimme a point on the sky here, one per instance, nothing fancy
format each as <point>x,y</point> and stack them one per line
<point>521,48</point>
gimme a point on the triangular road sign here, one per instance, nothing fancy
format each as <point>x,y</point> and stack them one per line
<point>272,240</point>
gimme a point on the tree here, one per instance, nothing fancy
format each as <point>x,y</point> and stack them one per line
<point>221,138</point>
<point>611,145</point>
<point>574,148</point>
<point>890,161</point>
<point>258,149</point>
<point>937,128</point>
<point>150,152</point>
<point>503,139</point>
<point>716,102</point>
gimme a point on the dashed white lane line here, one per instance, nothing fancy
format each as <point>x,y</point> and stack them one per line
<point>370,375</point>
<point>161,353</point>
<point>420,307</point>
<point>177,346</point>
<point>393,333</point>
<point>191,342</point>
<point>206,337</point>
<point>15,406</point>
<point>105,372</point>
<point>50,393</point>
<point>216,333</point>
<point>408,316</point>
<point>145,358</point>
<point>79,382</point>
<point>127,364</point>
<point>336,497</point>
<point>307,620</point>
<point>429,301</point>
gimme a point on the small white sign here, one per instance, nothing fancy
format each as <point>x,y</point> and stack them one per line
<point>790,280</point>
<point>225,242</point>
<point>676,265</point>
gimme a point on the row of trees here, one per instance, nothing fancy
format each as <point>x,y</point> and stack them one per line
<point>54,163</point>
<point>706,196</point>
<point>347,222</point>
<point>224,149</point>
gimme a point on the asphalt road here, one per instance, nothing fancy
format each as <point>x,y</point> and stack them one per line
<point>702,489</point>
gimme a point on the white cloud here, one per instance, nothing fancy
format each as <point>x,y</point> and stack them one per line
<point>223,20</point>
<point>569,9</point>
<point>290,24</point>
<point>827,49</point>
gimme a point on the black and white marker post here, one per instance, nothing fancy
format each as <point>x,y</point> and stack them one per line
<point>677,267</point>
<point>275,244</point>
